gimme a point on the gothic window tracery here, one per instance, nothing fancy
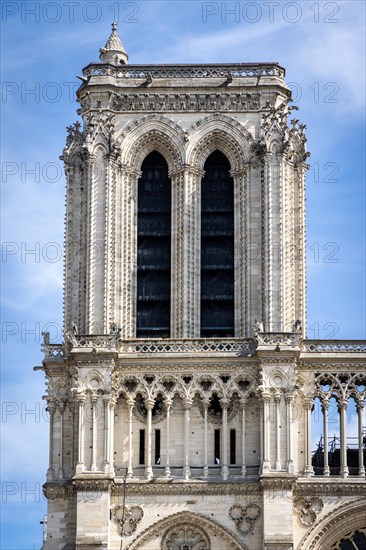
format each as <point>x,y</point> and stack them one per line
<point>153,248</point>
<point>186,537</point>
<point>355,540</point>
<point>158,411</point>
<point>337,395</point>
<point>217,248</point>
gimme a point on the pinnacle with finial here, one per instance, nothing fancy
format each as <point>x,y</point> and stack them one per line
<point>114,48</point>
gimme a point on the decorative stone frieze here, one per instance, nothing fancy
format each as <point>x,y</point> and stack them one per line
<point>330,489</point>
<point>55,492</point>
<point>186,489</point>
<point>93,485</point>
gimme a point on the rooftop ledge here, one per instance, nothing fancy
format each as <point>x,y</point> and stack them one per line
<point>276,342</point>
<point>177,70</point>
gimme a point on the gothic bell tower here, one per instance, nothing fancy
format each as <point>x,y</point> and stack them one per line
<point>180,400</point>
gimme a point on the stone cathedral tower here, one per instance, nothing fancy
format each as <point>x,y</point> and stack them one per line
<point>181,399</point>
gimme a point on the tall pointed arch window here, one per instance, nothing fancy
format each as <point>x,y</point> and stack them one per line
<point>153,248</point>
<point>217,248</point>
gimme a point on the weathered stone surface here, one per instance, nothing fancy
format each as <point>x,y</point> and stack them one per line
<point>252,394</point>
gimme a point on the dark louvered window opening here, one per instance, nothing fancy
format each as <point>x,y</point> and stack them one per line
<point>217,248</point>
<point>142,447</point>
<point>232,447</point>
<point>217,447</point>
<point>153,249</point>
<point>157,446</point>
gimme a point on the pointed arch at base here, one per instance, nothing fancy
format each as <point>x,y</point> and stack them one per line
<point>335,525</point>
<point>159,529</point>
<point>223,133</point>
<point>152,133</point>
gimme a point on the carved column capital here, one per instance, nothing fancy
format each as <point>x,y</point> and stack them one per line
<point>266,397</point>
<point>308,403</point>
<point>131,403</point>
<point>113,402</point>
<point>94,398</point>
<point>277,398</point>
<point>325,405</point>
<point>224,403</point>
<point>51,407</point>
<point>243,403</point>
<point>81,398</point>
<point>342,404</point>
<point>289,398</point>
<point>107,399</point>
<point>168,402</point>
<point>149,403</point>
<point>187,404</point>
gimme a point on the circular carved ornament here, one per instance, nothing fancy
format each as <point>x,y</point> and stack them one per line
<point>186,537</point>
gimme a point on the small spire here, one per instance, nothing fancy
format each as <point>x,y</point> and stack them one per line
<point>113,51</point>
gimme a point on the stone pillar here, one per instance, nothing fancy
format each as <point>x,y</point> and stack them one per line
<point>186,469</point>
<point>126,193</point>
<point>112,406</point>
<point>241,252</point>
<point>300,244</point>
<point>168,404</point>
<point>309,470</point>
<point>106,448</point>
<point>72,436</point>
<point>361,467</point>
<point>130,404</point>
<point>205,449</point>
<point>243,427</point>
<point>261,452</point>
<point>61,410</point>
<point>111,236</point>
<point>224,462</point>
<point>325,407</point>
<point>277,512</point>
<point>186,257</point>
<point>51,408</point>
<point>149,404</point>
<point>80,467</point>
<point>267,243</point>
<point>342,407</point>
<point>277,399</point>
<point>289,398</point>
<point>93,504</point>
<point>94,400</point>
<point>266,464</point>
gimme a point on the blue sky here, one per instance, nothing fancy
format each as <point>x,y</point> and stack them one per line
<point>44,46</point>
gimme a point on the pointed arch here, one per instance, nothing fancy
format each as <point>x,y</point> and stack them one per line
<point>152,133</point>
<point>335,525</point>
<point>154,197</point>
<point>209,526</point>
<point>223,133</point>
<point>217,248</point>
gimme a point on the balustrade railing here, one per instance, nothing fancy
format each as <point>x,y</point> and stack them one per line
<point>334,346</point>
<point>205,345</point>
<point>240,70</point>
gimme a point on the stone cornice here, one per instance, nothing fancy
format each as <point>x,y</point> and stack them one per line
<point>337,487</point>
<point>184,488</point>
<point>54,491</point>
<point>277,483</point>
<point>334,487</point>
